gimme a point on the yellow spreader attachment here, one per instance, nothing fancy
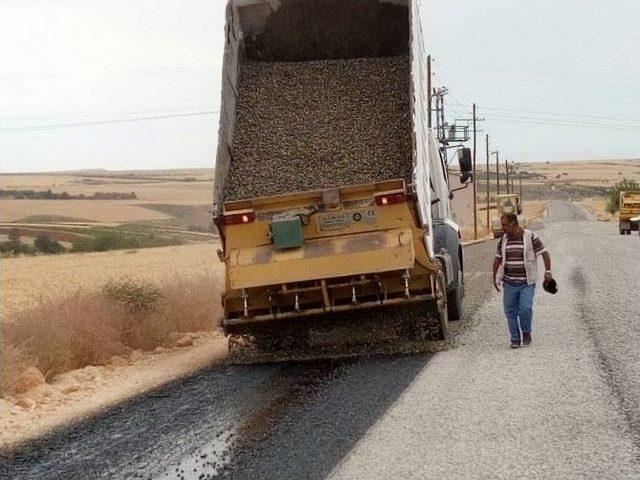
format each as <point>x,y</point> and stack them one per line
<point>347,255</point>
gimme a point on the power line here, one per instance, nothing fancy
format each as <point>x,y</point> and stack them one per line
<point>551,122</point>
<point>562,120</point>
<point>607,81</point>
<point>455,87</point>
<point>565,114</point>
<point>502,78</point>
<point>104,122</point>
<point>109,115</point>
<point>115,73</point>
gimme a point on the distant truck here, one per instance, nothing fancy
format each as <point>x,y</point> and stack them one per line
<point>629,208</point>
<point>331,193</point>
<point>509,203</point>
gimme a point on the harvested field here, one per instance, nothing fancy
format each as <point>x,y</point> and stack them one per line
<point>27,279</point>
<point>591,173</point>
<point>175,186</point>
<point>115,211</point>
<point>193,217</point>
<point>35,232</point>
<point>307,125</point>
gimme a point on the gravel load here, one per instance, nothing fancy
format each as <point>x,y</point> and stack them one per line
<point>309,125</point>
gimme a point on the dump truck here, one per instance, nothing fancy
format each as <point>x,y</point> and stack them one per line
<point>331,193</point>
<point>509,203</point>
<point>629,208</point>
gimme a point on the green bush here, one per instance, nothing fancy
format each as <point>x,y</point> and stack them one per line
<point>105,240</point>
<point>15,245</point>
<point>5,247</point>
<point>613,198</point>
<point>45,244</point>
<point>135,296</point>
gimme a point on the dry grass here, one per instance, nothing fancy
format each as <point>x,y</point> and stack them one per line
<point>28,280</point>
<point>598,208</point>
<point>88,327</point>
<point>115,211</point>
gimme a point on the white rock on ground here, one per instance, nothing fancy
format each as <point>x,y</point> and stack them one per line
<point>185,341</point>
<point>135,355</point>
<point>28,380</point>
<point>118,361</point>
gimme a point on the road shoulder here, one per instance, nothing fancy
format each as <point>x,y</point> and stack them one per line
<point>86,392</point>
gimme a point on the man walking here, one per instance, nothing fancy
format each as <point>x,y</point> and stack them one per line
<point>517,256</point>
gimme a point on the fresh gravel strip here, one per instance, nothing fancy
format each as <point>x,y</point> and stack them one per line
<point>309,125</point>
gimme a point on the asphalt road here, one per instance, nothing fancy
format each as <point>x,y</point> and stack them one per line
<point>566,407</point>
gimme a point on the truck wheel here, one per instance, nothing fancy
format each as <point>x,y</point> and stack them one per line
<point>454,299</point>
<point>441,304</point>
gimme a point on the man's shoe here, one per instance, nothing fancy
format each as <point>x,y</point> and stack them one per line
<point>526,338</point>
<point>515,344</point>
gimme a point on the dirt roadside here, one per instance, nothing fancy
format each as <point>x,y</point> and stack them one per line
<point>85,392</point>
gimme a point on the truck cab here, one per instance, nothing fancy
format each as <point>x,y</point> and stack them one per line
<point>629,208</point>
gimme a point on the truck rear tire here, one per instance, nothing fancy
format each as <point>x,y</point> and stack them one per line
<point>441,304</point>
<point>454,299</point>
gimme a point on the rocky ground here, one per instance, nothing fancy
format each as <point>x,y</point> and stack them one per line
<point>566,407</point>
<point>37,407</point>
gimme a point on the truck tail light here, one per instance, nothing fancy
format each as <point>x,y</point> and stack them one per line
<point>385,199</point>
<point>239,218</point>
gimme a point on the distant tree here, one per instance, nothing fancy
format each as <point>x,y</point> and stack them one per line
<point>14,235</point>
<point>15,244</point>
<point>45,244</point>
<point>613,198</point>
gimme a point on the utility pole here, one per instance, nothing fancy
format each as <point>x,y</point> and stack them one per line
<point>441,126</point>
<point>487,145</point>
<point>475,195</point>
<point>520,178</point>
<point>497,170</point>
<point>429,107</point>
<point>506,170</point>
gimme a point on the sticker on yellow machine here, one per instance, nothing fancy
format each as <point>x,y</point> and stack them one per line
<point>338,220</point>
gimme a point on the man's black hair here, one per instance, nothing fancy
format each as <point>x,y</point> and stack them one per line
<point>512,218</point>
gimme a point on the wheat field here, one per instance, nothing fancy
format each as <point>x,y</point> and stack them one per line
<point>107,211</point>
<point>185,187</point>
<point>26,279</point>
<point>587,172</point>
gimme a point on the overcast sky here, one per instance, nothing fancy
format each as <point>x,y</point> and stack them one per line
<point>555,79</point>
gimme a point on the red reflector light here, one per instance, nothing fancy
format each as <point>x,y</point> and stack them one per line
<point>238,218</point>
<point>390,199</point>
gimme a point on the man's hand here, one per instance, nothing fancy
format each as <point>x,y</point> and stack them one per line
<point>496,265</point>
<point>548,275</point>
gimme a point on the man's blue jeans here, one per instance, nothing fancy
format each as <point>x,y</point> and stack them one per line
<point>518,305</point>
